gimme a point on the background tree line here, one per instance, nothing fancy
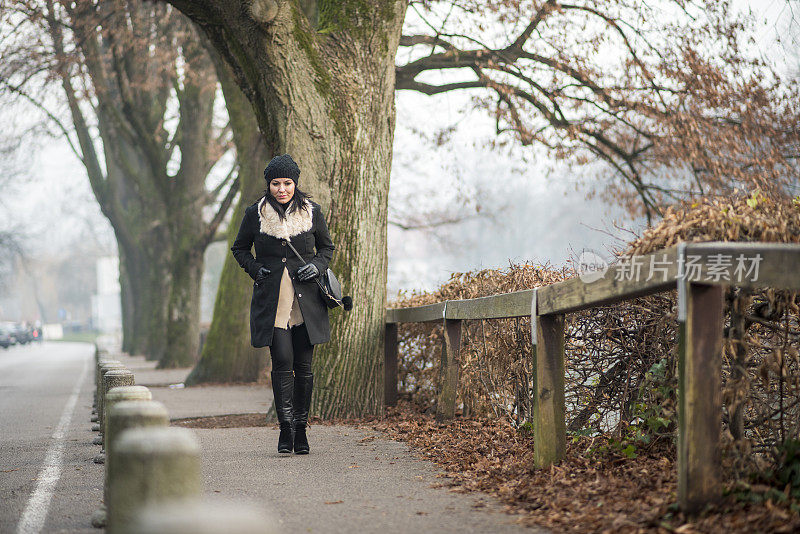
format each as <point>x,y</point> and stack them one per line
<point>669,97</point>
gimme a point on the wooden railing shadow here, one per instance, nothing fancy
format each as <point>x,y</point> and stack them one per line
<point>699,271</point>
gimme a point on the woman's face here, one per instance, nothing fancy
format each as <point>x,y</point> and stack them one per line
<point>282,189</point>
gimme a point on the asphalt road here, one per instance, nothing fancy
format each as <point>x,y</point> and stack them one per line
<point>48,482</point>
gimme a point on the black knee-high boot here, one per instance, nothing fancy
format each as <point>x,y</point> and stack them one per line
<point>282,354</point>
<point>283,389</point>
<point>303,386</point>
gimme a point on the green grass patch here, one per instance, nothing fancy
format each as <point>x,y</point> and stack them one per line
<point>86,337</point>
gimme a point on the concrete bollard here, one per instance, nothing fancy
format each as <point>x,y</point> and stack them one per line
<point>116,381</point>
<point>124,415</point>
<point>122,394</point>
<point>201,517</point>
<point>111,379</point>
<point>150,466</point>
<point>100,357</point>
<point>127,415</point>
<point>97,360</point>
<point>98,373</point>
<point>102,369</point>
<point>98,380</point>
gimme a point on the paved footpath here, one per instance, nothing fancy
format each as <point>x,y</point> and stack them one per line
<point>354,480</point>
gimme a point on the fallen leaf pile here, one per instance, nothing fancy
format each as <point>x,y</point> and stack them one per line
<point>589,491</point>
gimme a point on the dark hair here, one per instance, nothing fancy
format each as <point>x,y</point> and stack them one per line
<point>294,204</point>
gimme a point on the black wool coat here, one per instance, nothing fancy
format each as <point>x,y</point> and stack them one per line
<point>306,228</point>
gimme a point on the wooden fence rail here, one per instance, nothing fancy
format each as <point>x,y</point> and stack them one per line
<point>699,271</point>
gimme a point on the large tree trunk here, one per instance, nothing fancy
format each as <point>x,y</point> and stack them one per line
<point>138,217</point>
<point>327,98</point>
<point>149,282</point>
<point>126,304</point>
<point>188,232</point>
<point>139,60</point>
<point>227,354</point>
<point>183,322</point>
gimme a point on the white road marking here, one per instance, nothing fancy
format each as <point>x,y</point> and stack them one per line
<point>36,511</point>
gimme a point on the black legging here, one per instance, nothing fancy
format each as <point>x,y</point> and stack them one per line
<point>291,349</point>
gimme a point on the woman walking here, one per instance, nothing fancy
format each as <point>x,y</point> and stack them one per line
<point>287,312</point>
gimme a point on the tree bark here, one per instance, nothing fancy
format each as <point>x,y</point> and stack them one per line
<point>126,298</point>
<point>129,54</point>
<point>183,323</point>
<point>189,233</point>
<point>130,198</point>
<point>149,283</point>
<point>227,354</point>
<point>327,98</point>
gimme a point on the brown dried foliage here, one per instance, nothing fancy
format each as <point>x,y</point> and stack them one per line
<point>604,372</point>
<point>611,351</point>
<point>757,217</point>
<point>670,95</point>
<point>761,363</point>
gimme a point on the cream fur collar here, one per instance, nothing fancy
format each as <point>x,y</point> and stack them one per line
<point>295,223</point>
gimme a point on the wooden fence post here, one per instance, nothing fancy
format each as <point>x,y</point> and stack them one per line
<point>448,371</point>
<point>699,395</point>
<point>390,365</point>
<point>549,427</point>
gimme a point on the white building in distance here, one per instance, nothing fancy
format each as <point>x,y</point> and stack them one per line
<point>106,304</point>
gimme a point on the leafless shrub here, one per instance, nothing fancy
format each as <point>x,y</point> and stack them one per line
<point>621,362</point>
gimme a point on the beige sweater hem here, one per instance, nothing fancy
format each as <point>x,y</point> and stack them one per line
<point>288,313</point>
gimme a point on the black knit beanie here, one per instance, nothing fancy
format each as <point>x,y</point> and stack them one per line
<point>282,167</point>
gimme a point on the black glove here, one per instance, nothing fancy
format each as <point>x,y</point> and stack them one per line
<point>263,272</point>
<point>307,272</point>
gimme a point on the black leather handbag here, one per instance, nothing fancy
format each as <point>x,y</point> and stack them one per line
<point>329,286</point>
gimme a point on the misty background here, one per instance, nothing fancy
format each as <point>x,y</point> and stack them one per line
<point>459,200</point>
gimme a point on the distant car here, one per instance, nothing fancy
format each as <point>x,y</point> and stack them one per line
<point>6,339</point>
<point>22,333</point>
<point>11,330</point>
